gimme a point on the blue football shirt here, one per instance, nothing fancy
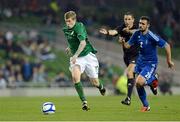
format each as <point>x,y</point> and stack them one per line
<point>148,44</point>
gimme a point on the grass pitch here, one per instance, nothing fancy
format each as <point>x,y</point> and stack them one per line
<point>106,108</point>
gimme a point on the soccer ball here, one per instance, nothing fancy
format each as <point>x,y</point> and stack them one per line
<point>48,108</point>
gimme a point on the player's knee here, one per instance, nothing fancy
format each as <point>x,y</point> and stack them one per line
<point>139,83</point>
<point>130,74</point>
<point>95,82</point>
<point>75,78</point>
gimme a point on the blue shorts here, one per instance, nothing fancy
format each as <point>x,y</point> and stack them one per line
<point>147,71</point>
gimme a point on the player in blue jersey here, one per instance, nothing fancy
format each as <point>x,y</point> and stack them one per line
<point>147,61</point>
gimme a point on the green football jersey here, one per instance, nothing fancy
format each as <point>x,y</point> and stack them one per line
<point>75,35</point>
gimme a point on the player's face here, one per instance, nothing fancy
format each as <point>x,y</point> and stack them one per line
<point>128,20</point>
<point>143,25</point>
<point>70,22</point>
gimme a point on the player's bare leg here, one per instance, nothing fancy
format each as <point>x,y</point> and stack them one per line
<point>76,76</point>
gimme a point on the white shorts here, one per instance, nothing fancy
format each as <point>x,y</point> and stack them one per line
<point>89,64</point>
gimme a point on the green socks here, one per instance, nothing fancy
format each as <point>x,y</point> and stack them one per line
<point>100,86</point>
<point>79,89</point>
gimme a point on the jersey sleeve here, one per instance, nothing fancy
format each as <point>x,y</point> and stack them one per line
<point>159,41</point>
<point>81,32</point>
<point>133,39</point>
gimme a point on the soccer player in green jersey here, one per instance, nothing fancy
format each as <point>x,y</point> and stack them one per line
<point>83,56</point>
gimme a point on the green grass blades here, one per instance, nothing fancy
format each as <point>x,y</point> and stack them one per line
<point>106,108</point>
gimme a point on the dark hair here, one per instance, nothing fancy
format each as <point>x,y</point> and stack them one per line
<point>129,13</point>
<point>145,18</point>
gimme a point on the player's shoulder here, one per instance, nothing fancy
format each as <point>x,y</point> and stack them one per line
<point>137,32</point>
<point>79,24</point>
<point>153,35</point>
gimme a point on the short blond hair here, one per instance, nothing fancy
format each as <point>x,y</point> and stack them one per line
<point>70,14</point>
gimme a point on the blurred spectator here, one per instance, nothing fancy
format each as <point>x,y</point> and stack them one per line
<point>27,70</point>
<point>15,59</point>
<point>11,46</point>
<point>29,47</point>
<point>3,82</point>
<point>7,12</point>
<point>18,75</point>
<point>11,78</point>
<point>61,80</point>
<point>2,45</point>
<point>165,82</point>
<point>39,74</point>
<point>9,36</point>
<point>33,35</point>
<point>46,51</point>
<point>23,35</point>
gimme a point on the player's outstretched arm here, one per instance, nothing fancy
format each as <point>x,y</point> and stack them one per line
<point>128,30</point>
<point>108,32</point>
<point>168,56</point>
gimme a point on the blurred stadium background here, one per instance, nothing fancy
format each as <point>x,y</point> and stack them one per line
<point>32,58</point>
